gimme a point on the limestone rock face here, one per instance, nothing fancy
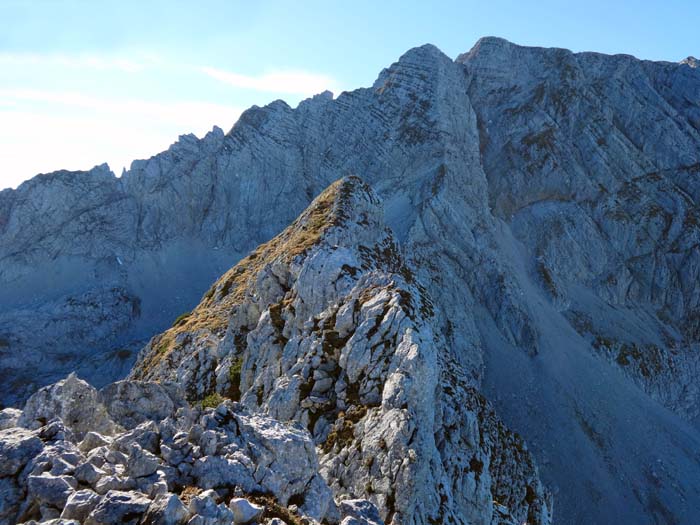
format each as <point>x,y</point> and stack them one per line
<point>607,203</point>
<point>545,201</point>
<point>72,400</point>
<point>325,325</point>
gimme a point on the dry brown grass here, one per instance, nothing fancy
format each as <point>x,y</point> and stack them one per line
<point>232,288</point>
<point>343,431</point>
<point>274,510</point>
<point>189,492</point>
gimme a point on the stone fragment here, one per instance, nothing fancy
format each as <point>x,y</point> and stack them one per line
<point>140,462</point>
<point>91,441</point>
<point>118,507</point>
<point>245,512</point>
<point>114,483</point>
<point>166,509</point>
<point>88,473</point>
<point>17,447</point>
<point>361,511</point>
<point>51,490</point>
<point>80,504</point>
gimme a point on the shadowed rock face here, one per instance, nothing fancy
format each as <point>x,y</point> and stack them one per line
<point>546,200</point>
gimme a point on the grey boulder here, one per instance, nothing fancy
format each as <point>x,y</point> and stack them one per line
<point>51,490</point>
<point>359,512</point>
<point>72,400</point>
<point>80,504</point>
<point>166,509</point>
<point>17,447</point>
<point>244,511</point>
<point>119,507</point>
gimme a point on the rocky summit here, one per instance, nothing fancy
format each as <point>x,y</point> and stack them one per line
<point>468,294</point>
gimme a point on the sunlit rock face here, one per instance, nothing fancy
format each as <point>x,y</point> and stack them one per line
<point>544,202</point>
<point>327,326</point>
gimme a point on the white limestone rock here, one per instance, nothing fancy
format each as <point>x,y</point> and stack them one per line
<point>72,400</point>
<point>17,447</point>
<point>131,403</point>
<point>92,440</point>
<point>227,448</point>
<point>362,394</point>
<point>245,512</point>
<point>89,474</point>
<point>141,462</point>
<point>51,490</point>
<point>9,418</point>
<point>115,482</point>
<point>207,511</point>
<point>359,512</point>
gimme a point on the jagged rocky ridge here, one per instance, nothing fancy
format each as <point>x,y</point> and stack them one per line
<point>324,326</point>
<point>547,200</point>
<point>327,326</point>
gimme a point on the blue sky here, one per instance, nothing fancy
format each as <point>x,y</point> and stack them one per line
<point>84,82</point>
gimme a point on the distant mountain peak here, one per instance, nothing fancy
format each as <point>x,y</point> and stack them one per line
<point>691,61</point>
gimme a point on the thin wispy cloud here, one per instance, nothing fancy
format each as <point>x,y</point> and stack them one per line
<point>74,130</point>
<point>80,61</point>
<point>291,82</point>
<point>183,113</point>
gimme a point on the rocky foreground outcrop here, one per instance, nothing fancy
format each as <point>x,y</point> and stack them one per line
<point>136,452</point>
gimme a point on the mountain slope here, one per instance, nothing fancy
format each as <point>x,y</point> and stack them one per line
<point>547,201</point>
<point>325,325</point>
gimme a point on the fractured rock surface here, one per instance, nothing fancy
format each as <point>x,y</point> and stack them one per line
<point>325,325</point>
<point>187,465</point>
<point>546,204</point>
